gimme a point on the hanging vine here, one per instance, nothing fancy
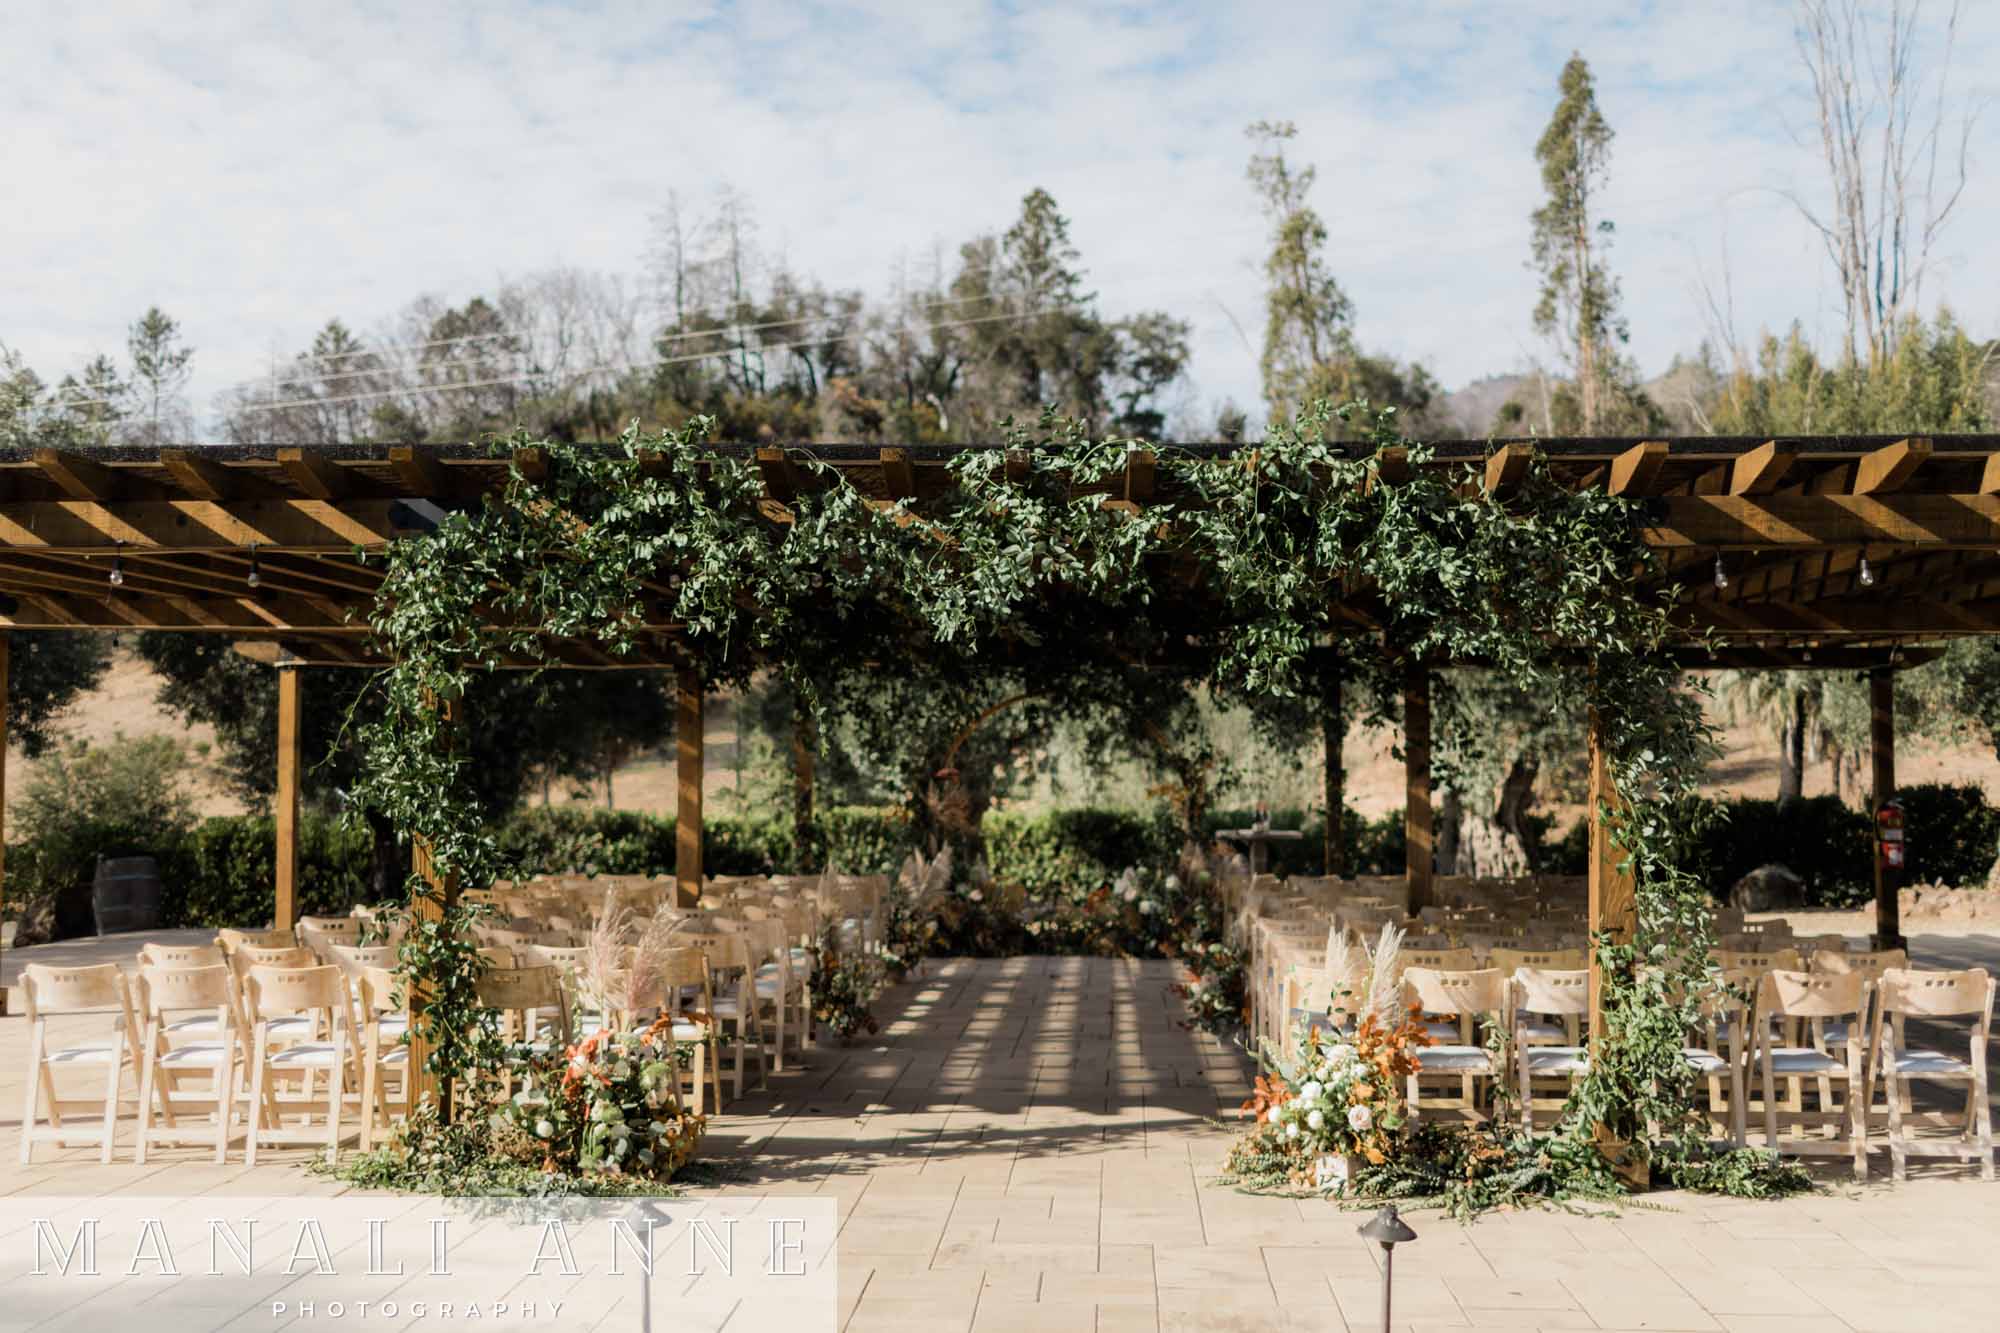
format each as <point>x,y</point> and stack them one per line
<point>668,539</point>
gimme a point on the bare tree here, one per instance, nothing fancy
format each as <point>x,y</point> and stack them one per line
<point>1894,170</point>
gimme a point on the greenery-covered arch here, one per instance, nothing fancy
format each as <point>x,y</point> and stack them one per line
<point>1021,562</point>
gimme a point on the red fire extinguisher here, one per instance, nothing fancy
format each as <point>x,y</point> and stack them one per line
<point>1889,834</point>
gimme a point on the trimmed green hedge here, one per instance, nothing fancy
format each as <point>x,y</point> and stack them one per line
<point>220,873</point>
<point>1952,833</point>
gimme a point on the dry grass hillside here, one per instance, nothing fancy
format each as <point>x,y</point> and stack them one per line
<point>125,703</point>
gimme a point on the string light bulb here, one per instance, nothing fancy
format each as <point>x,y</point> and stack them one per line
<point>253,578</point>
<point>1721,574</point>
<point>117,571</point>
<point>1867,575</point>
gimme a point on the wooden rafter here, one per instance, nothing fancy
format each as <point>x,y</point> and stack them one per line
<point>1506,467</point>
<point>1888,468</point>
<point>318,476</point>
<point>1139,478</point>
<point>1759,471</point>
<point>1757,522</point>
<point>898,477</point>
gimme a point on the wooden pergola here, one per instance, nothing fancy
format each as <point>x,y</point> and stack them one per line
<point>1842,552</point>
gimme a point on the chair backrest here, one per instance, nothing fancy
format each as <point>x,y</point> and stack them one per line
<point>354,959</point>
<point>181,955</point>
<point>1507,959</point>
<point>1784,992</point>
<point>170,989</point>
<point>1757,960</point>
<point>247,956</point>
<point>270,990</point>
<point>1808,945</point>
<point>1456,991</point>
<point>1928,994</point>
<point>1868,962</point>
<point>229,939</point>
<point>567,958</point>
<point>681,970</point>
<point>1436,960</point>
<point>379,991</point>
<point>1539,990</point>
<point>75,990</point>
<point>519,987</point>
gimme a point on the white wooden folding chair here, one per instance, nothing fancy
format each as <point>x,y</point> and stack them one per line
<point>1902,993</point>
<point>385,1054</point>
<point>1562,994</point>
<point>318,995</point>
<point>1462,1000</point>
<point>211,1051</point>
<point>62,991</point>
<point>1784,995</point>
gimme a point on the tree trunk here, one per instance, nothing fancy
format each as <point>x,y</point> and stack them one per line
<point>1792,758</point>
<point>1333,731</point>
<point>1450,811</point>
<point>387,868</point>
<point>1517,796</point>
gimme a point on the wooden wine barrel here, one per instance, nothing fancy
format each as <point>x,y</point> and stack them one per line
<point>126,894</point>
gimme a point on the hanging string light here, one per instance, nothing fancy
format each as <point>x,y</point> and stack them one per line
<point>253,578</point>
<point>1867,575</point>
<point>1721,575</point>
<point>118,568</point>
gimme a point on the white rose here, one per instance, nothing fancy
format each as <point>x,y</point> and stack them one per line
<point>1359,1118</point>
<point>1317,1120</point>
<point>1146,907</point>
<point>1340,1056</point>
<point>977,896</point>
<point>1311,1092</point>
<point>543,1129</point>
<point>1292,1130</point>
<point>1131,895</point>
<point>1173,881</point>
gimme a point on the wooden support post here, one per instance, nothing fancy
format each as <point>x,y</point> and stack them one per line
<point>687,816</point>
<point>1418,821</point>
<point>805,744</point>
<point>1882,744</point>
<point>429,906</point>
<point>1333,730</point>
<point>4,696</point>
<point>1614,895</point>
<point>285,912</point>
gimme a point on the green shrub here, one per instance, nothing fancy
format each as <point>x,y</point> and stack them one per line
<point>227,873</point>
<point>1066,848</point>
<point>1953,835</point>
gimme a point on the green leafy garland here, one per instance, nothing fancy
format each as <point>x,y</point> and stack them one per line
<point>606,545</point>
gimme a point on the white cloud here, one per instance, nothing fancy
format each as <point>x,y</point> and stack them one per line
<point>256,171</point>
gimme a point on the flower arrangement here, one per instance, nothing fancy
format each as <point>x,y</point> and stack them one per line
<point>1338,1096</point>
<point>609,1103</point>
<point>844,986</point>
<point>1214,991</point>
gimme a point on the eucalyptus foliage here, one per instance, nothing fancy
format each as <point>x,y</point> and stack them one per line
<point>1017,562</point>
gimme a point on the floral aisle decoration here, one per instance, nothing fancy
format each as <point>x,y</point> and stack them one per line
<point>910,912</point>
<point>609,1103</point>
<point>845,984</point>
<point>1214,992</point>
<point>1337,1099</point>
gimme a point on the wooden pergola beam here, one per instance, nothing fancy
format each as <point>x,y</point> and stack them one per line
<point>419,471</point>
<point>1726,522</point>
<point>318,476</point>
<point>79,477</point>
<point>1139,476</point>
<point>92,527</point>
<point>898,476</point>
<point>200,478</point>
<point>1636,470</point>
<point>1888,468</point>
<point>781,479</point>
<point>1759,471</point>
<point>1906,617</point>
<point>1506,467</point>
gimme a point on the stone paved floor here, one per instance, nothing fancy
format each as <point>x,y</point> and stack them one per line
<point>1031,1143</point>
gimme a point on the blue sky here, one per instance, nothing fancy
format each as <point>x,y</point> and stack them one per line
<point>256,170</point>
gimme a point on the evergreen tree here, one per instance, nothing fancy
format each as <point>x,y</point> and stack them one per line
<point>160,371</point>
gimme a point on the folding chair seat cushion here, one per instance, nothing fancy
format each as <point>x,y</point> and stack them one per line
<point>802,959</point>
<point>1930,1064</point>
<point>1543,1030</point>
<point>1552,1060</point>
<point>86,1053</point>
<point>1455,1060</point>
<point>1442,1030</point>
<point>308,1055</point>
<point>196,1055</point>
<point>1704,1062</point>
<point>683,1031</point>
<point>1791,1060</point>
